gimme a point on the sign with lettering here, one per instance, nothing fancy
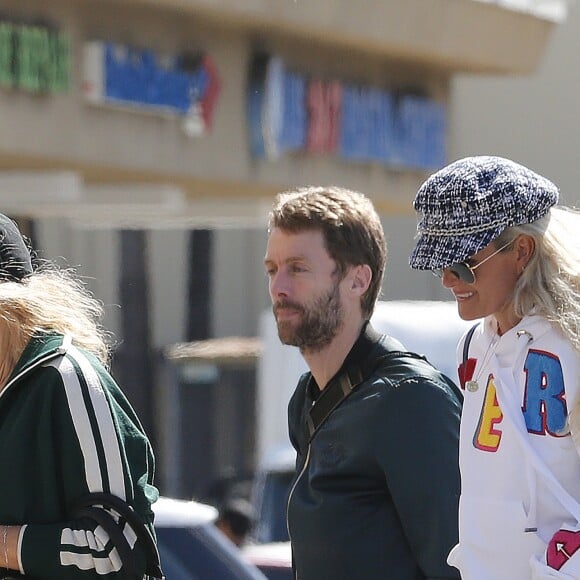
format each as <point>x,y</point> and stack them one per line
<point>34,58</point>
<point>139,79</point>
<point>289,111</point>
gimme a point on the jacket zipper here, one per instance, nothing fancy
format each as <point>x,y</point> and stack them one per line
<point>290,496</point>
<point>59,351</point>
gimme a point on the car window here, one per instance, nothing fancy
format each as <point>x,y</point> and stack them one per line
<point>272,518</point>
<point>201,553</point>
<point>173,567</point>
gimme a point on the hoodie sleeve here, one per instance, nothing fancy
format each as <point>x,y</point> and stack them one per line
<point>101,447</point>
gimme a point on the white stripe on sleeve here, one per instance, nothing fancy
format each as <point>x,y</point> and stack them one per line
<point>105,423</point>
<point>80,419</point>
<point>95,541</point>
<point>81,422</point>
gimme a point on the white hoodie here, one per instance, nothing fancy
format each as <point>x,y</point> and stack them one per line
<point>519,390</point>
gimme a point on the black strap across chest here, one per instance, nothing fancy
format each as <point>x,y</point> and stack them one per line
<point>467,342</point>
<point>340,388</point>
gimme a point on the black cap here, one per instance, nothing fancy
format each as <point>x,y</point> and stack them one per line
<point>15,261</point>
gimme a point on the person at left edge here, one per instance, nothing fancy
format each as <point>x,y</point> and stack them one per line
<point>66,428</point>
<point>376,489</point>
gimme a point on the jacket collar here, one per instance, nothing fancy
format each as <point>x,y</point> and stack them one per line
<point>39,349</point>
<point>368,345</point>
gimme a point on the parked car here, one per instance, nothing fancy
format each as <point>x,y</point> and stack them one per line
<point>271,487</point>
<point>192,548</point>
<point>273,559</point>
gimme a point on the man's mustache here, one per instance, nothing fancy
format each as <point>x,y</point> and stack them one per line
<point>286,304</point>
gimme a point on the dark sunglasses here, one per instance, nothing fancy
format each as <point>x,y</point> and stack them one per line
<point>463,270</point>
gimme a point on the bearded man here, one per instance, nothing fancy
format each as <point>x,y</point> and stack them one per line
<point>375,428</point>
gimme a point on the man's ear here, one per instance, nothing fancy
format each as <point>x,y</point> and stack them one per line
<point>361,278</point>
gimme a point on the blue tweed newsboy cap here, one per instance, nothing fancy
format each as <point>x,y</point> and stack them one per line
<point>466,205</point>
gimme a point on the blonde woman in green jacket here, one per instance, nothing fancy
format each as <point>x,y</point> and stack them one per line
<point>66,429</point>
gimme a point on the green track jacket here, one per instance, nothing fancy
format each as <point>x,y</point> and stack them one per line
<point>66,430</point>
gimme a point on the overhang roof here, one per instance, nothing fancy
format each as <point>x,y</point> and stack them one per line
<point>477,36</point>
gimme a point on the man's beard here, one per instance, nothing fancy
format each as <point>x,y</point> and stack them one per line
<point>320,323</point>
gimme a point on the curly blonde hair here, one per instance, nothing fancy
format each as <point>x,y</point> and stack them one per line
<point>47,301</point>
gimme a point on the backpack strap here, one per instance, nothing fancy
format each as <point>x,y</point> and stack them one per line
<point>467,365</point>
<point>94,506</point>
<point>467,342</point>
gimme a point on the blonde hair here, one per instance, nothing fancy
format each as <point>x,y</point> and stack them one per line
<point>550,283</point>
<point>50,300</point>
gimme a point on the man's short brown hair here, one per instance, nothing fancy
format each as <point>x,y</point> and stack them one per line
<point>352,230</point>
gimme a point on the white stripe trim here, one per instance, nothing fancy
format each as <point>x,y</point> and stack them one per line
<point>85,539</point>
<point>80,419</point>
<point>102,566</point>
<point>105,423</point>
<point>95,541</point>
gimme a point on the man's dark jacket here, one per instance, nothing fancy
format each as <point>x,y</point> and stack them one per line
<point>376,490</point>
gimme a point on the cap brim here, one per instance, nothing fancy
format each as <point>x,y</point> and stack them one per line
<point>433,252</point>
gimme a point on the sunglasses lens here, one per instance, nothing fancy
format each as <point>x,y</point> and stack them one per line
<point>462,272</point>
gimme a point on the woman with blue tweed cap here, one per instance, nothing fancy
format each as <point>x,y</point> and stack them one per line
<point>492,230</point>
